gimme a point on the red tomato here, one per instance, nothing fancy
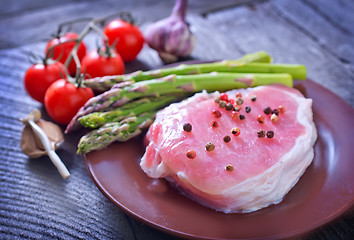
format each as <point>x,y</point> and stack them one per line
<point>128,37</point>
<point>97,65</point>
<point>40,76</point>
<point>62,52</point>
<point>62,100</point>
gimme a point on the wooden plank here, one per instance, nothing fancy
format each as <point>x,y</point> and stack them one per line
<point>38,24</point>
<point>206,7</point>
<point>308,20</point>
<point>339,13</point>
<point>16,7</point>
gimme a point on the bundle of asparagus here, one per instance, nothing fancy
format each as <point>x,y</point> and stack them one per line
<point>250,63</point>
<point>129,102</point>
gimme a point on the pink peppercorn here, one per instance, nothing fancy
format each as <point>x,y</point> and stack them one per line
<point>216,113</point>
<point>214,124</point>
<point>260,119</point>
<point>224,97</point>
<point>191,154</point>
<point>235,115</point>
<point>236,131</point>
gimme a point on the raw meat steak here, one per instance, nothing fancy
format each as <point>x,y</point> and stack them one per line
<point>252,170</point>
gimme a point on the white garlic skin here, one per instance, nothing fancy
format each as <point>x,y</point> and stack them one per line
<point>171,37</point>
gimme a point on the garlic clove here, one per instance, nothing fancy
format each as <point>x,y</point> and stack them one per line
<point>32,146</point>
<point>39,134</point>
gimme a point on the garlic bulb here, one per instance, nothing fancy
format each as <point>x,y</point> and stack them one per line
<point>171,37</point>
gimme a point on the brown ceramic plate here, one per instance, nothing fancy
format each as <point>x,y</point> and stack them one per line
<point>323,193</point>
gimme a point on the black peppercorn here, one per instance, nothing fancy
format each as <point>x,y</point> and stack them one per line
<point>229,168</point>
<point>276,112</point>
<point>229,107</point>
<point>227,139</point>
<point>239,101</point>
<point>209,147</point>
<point>242,117</point>
<point>270,134</point>
<point>261,133</point>
<point>222,104</point>
<point>248,109</point>
<point>267,110</point>
<point>187,127</point>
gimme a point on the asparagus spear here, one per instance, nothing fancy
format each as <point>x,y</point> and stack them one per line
<point>134,108</point>
<point>131,126</point>
<point>193,83</point>
<point>115,131</point>
<point>177,84</point>
<point>174,84</point>
<point>295,70</point>
<point>105,83</point>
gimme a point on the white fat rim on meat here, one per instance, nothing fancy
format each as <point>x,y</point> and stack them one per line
<point>272,185</point>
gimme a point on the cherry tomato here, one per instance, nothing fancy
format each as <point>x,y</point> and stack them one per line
<point>63,99</point>
<point>40,76</point>
<point>62,52</point>
<point>98,65</point>
<point>128,37</point>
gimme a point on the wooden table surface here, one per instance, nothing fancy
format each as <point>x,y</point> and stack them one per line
<point>36,203</point>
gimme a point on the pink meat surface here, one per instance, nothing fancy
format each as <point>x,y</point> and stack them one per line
<point>264,169</point>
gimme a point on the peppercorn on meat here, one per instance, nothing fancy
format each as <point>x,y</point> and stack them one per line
<point>233,159</point>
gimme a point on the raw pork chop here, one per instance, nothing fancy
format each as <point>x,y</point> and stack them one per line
<point>252,170</point>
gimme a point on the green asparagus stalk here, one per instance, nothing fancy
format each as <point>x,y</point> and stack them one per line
<point>115,131</point>
<point>177,84</point>
<point>295,70</point>
<point>135,108</point>
<point>105,83</point>
<point>194,83</point>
